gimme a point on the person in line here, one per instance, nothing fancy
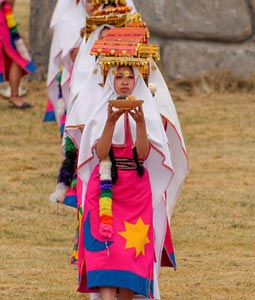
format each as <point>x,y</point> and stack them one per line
<point>127,149</point>
<point>14,58</point>
<point>68,18</point>
<point>84,66</point>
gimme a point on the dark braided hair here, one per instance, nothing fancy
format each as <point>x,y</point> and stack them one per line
<point>68,167</point>
<point>139,168</point>
<point>114,171</point>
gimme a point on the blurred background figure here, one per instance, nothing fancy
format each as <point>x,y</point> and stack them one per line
<point>67,21</point>
<point>15,60</point>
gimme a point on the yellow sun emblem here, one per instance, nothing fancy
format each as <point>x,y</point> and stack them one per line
<point>136,236</point>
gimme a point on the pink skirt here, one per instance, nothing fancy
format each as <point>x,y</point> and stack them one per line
<point>127,259</point>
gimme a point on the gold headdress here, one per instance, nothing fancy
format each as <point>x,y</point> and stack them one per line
<point>135,20</point>
<point>92,22</point>
<point>114,10</point>
<point>97,3</point>
<point>126,47</point>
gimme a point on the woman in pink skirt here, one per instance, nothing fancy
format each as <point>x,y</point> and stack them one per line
<point>120,242</point>
<point>14,58</point>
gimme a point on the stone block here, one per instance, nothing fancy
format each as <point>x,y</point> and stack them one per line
<point>222,20</point>
<point>193,59</point>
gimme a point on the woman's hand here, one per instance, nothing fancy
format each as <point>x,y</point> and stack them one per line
<point>142,143</point>
<point>105,142</point>
<point>137,114</point>
<point>113,115</point>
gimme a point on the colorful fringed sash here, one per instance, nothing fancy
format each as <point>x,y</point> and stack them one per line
<point>12,25</point>
<point>105,200</point>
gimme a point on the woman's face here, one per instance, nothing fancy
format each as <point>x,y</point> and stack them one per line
<point>89,7</point>
<point>124,81</point>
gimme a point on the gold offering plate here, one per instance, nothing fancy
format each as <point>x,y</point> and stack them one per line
<point>125,104</point>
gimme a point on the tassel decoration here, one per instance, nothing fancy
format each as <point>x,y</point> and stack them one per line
<point>105,200</point>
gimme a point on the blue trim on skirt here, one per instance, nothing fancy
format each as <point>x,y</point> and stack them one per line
<point>120,279</point>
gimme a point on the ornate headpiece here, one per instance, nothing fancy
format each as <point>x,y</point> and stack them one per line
<point>97,3</point>
<point>135,20</point>
<point>126,47</point>
<point>92,22</point>
<point>115,10</point>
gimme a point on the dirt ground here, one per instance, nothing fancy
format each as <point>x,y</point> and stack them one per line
<point>213,221</point>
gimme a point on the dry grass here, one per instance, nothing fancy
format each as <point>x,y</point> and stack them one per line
<point>213,222</point>
<point>215,82</point>
<point>21,11</point>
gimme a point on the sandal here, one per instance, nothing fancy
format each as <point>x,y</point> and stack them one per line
<point>23,105</point>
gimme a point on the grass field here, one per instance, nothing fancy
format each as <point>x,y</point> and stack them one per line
<point>213,222</point>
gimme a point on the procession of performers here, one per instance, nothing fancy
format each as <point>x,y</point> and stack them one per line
<point>124,158</point>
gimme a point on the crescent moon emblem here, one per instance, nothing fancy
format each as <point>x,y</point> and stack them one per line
<point>90,242</point>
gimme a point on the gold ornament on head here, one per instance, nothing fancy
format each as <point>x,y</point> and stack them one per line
<point>114,10</point>
<point>126,74</point>
<point>126,46</point>
<point>116,20</point>
<point>97,3</point>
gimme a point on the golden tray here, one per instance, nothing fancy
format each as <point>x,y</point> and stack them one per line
<point>125,104</point>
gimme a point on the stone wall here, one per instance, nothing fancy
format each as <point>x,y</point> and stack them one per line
<point>200,37</point>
